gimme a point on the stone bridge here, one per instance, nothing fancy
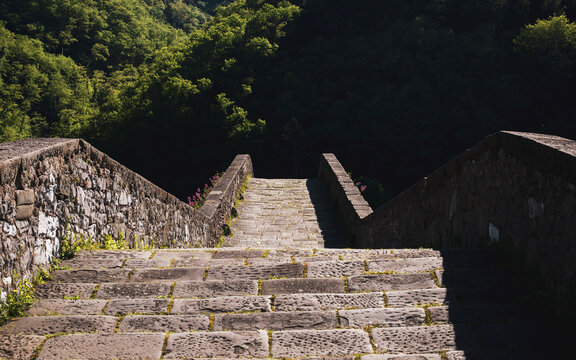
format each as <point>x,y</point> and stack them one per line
<point>476,261</point>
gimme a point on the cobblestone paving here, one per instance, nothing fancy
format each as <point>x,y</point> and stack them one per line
<point>284,296</point>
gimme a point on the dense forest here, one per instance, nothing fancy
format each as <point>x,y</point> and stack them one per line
<point>175,88</point>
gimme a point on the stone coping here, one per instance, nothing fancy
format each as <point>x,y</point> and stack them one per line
<point>346,196</point>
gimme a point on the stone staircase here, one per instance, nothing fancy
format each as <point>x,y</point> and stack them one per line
<point>288,213</point>
<point>275,290</point>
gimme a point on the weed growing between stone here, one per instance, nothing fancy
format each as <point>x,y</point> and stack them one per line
<point>20,299</point>
<point>17,301</point>
<point>71,243</point>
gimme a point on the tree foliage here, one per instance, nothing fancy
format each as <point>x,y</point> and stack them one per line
<point>394,88</point>
<point>40,93</point>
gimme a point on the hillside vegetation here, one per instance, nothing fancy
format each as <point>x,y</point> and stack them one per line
<point>174,89</point>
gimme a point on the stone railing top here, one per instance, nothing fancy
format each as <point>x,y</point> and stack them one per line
<point>352,204</point>
<point>224,185</point>
<point>547,153</point>
<point>27,147</point>
<point>559,143</point>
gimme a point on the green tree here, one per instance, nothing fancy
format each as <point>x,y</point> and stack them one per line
<point>41,94</point>
<point>549,44</point>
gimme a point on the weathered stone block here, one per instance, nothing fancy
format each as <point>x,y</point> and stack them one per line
<point>390,282</point>
<point>136,306</point>
<point>294,344</point>
<point>406,298</point>
<point>146,263</point>
<point>45,325</point>
<point>401,357</point>
<point>67,307</point>
<point>179,274</point>
<point>291,286</point>
<point>51,290</point>
<point>97,263</point>
<point>24,212</point>
<point>133,290</point>
<point>92,275</point>
<point>211,288</point>
<point>277,321</point>
<point>405,264</point>
<point>335,268</point>
<point>230,254</point>
<point>113,254</point>
<point>388,317</point>
<point>183,255</point>
<point>24,197</point>
<point>307,302</point>
<point>414,340</point>
<point>217,344</point>
<point>19,346</point>
<point>221,305</point>
<point>254,272</point>
<point>205,262</point>
<point>103,347</point>
<point>164,323</point>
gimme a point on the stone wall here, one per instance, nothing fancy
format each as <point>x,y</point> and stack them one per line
<point>515,189</point>
<point>51,186</point>
<point>346,196</point>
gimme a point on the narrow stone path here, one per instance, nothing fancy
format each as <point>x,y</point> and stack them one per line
<point>279,293</point>
<point>290,213</point>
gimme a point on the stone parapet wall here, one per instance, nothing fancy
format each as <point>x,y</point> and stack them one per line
<point>49,187</point>
<point>515,189</point>
<point>347,197</point>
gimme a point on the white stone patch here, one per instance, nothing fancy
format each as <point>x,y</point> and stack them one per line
<point>22,225</point>
<point>81,164</point>
<point>3,295</point>
<point>9,229</point>
<point>7,280</point>
<point>81,195</point>
<point>47,225</point>
<point>49,196</point>
<point>187,233</point>
<point>45,250</point>
<point>123,200</point>
<point>52,178</point>
<point>92,230</point>
<point>493,232</point>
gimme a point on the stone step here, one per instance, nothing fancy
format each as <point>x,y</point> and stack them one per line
<point>423,339</point>
<point>255,272</point>
<point>223,304</point>
<point>258,268</point>
<point>302,343</point>
<point>103,346</point>
<point>49,325</point>
<point>301,320</point>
